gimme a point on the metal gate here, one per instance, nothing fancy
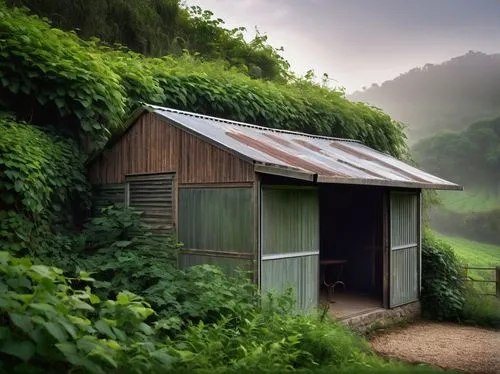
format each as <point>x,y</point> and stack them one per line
<point>290,242</point>
<point>404,256</point>
<point>152,194</point>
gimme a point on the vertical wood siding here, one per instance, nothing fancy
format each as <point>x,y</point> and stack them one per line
<point>201,162</point>
<point>230,266</point>
<point>298,273</point>
<point>152,145</point>
<point>219,219</point>
<point>290,243</point>
<point>290,220</point>
<point>404,254</point>
<point>216,226</point>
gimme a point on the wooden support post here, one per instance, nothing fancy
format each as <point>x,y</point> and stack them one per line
<point>497,279</point>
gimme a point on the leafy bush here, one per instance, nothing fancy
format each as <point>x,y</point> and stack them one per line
<point>50,323</point>
<point>47,324</point>
<point>82,88</point>
<point>42,186</point>
<point>39,172</point>
<point>121,251</point>
<point>49,78</point>
<point>442,280</point>
<point>480,309</point>
<point>158,27</point>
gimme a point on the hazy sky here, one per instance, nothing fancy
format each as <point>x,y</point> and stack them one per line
<point>359,42</point>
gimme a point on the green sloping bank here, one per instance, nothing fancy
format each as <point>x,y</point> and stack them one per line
<point>51,77</point>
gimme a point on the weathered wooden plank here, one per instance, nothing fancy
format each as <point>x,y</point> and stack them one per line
<point>152,145</point>
<point>216,219</point>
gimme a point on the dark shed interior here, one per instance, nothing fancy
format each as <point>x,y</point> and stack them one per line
<point>351,229</point>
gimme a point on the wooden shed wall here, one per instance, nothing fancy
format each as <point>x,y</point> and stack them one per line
<point>152,145</point>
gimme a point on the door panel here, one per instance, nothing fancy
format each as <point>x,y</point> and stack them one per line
<point>290,242</point>
<point>404,256</point>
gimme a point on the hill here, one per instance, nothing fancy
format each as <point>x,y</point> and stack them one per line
<point>447,96</point>
<point>160,27</point>
<point>470,157</point>
<point>470,200</point>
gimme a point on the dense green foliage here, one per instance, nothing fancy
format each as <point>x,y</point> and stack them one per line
<point>480,307</point>
<point>116,301</point>
<point>49,79</point>
<point>87,89</point>
<point>442,280</point>
<point>470,157</point>
<point>121,251</point>
<point>43,187</point>
<point>40,171</point>
<point>161,27</point>
<point>447,96</point>
<point>51,323</point>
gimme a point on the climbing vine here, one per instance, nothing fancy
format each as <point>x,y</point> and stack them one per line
<point>51,77</point>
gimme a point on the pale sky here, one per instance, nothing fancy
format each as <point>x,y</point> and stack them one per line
<point>360,42</point>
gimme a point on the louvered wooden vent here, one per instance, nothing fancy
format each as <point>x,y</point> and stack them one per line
<point>154,196</point>
<point>107,194</point>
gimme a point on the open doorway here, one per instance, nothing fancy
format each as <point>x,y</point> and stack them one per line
<point>351,248</point>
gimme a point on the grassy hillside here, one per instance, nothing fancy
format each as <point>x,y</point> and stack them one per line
<point>472,252</point>
<point>474,200</point>
<point>476,254</point>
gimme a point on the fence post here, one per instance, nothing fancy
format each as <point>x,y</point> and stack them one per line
<point>497,280</point>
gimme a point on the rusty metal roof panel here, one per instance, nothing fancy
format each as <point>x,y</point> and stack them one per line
<point>329,160</point>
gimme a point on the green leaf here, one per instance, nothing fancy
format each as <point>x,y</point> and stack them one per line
<point>70,329</point>
<point>43,307</point>
<point>123,243</point>
<point>146,329</point>
<point>122,299</point>
<point>44,271</point>
<point>23,321</point>
<point>104,329</point>
<point>20,349</point>
<point>56,331</point>
<point>163,357</point>
<point>71,353</point>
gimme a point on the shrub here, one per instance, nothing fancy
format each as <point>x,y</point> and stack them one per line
<point>51,323</point>
<point>43,188</point>
<point>54,78</point>
<point>40,171</point>
<point>480,309</point>
<point>46,324</point>
<point>120,250</point>
<point>442,280</point>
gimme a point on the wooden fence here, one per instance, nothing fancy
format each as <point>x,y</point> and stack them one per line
<point>495,270</point>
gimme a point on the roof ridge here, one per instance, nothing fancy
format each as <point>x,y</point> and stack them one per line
<point>249,125</point>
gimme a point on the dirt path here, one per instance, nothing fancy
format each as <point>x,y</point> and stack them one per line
<point>450,346</point>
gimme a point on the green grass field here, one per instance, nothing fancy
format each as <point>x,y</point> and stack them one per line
<point>476,254</point>
<point>473,253</point>
<point>470,200</point>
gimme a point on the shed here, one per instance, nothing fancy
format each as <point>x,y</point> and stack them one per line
<point>295,210</point>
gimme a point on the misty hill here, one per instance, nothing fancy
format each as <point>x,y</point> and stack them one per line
<point>450,95</point>
<point>470,157</point>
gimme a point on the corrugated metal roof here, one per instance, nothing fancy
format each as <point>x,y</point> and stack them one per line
<point>318,158</point>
